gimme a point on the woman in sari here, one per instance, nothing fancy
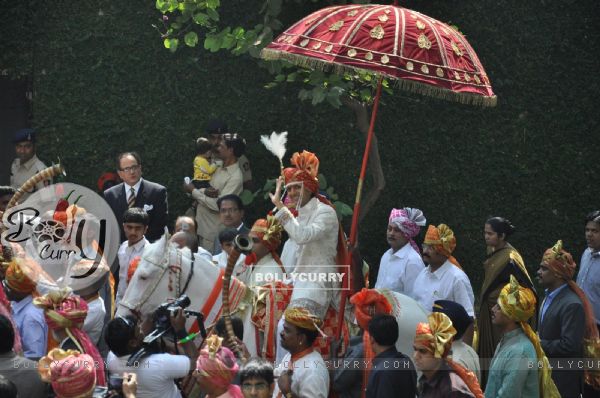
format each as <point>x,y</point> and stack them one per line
<point>502,261</point>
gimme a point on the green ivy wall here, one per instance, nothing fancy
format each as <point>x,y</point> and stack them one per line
<point>103,83</point>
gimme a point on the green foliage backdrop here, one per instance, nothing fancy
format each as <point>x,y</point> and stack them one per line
<point>103,83</point>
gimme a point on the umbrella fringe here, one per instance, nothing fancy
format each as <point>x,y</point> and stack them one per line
<point>406,85</point>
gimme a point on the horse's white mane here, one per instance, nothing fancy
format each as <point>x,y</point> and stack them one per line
<point>154,254</point>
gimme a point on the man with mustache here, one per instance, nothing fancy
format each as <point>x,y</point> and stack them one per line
<point>401,264</point>
<point>443,278</point>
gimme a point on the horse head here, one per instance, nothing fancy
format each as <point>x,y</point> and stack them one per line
<point>159,274</point>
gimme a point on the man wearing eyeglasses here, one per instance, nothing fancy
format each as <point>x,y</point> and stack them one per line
<point>135,191</point>
<point>231,214</point>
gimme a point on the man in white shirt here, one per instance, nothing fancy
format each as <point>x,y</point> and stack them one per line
<point>156,373</point>
<point>302,373</point>
<point>226,180</point>
<point>400,265</point>
<point>443,279</point>
<point>135,225</point>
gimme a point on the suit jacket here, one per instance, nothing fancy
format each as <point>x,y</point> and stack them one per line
<point>151,195</point>
<point>393,375</point>
<point>561,335</point>
<point>347,380</point>
<point>244,230</point>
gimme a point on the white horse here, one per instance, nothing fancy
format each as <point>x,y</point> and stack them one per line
<point>166,271</point>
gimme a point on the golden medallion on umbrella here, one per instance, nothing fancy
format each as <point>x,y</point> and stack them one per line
<point>456,50</point>
<point>439,72</point>
<point>336,26</point>
<point>410,66</point>
<point>385,59</point>
<point>352,53</point>
<point>352,13</point>
<point>420,24</point>
<point>304,42</point>
<point>383,18</point>
<point>476,78</point>
<point>424,42</point>
<point>377,32</point>
<point>317,46</point>
<point>369,56</point>
<point>425,69</point>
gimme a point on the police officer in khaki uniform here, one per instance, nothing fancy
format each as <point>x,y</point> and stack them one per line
<point>27,164</point>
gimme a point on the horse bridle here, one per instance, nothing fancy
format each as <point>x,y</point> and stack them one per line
<point>163,266</point>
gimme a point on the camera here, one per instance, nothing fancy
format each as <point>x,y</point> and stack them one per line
<point>162,315</point>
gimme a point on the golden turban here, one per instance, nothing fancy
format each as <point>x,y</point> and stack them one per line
<point>518,303</point>
<point>302,318</point>
<point>306,170</point>
<point>437,334</point>
<point>19,275</point>
<point>269,231</point>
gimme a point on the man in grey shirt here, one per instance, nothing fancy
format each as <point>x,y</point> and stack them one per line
<point>21,371</point>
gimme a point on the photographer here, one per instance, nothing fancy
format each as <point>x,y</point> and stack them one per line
<point>157,372</point>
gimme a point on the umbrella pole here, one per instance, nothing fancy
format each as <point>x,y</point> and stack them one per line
<point>363,170</point>
<point>354,230</point>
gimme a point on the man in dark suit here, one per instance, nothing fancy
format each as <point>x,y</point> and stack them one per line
<point>562,320</point>
<point>393,373</point>
<point>134,191</point>
<point>231,214</point>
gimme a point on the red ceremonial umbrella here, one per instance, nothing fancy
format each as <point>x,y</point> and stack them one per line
<point>420,53</point>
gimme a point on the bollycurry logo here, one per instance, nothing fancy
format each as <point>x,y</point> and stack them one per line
<point>69,232</point>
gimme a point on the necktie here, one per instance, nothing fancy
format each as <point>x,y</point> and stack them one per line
<point>131,200</point>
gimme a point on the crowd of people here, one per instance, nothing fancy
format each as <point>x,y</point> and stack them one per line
<point>509,343</point>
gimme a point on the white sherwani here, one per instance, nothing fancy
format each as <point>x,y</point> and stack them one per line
<point>315,232</point>
<point>266,270</point>
<point>310,378</point>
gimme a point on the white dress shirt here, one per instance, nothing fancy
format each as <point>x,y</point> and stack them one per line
<point>126,254</point>
<point>399,270</point>
<point>447,283</point>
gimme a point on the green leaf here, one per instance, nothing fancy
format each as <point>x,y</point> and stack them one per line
<point>280,78</point>
<point>322,181</point>
<point>201,18</point>
<point>247,197</point>
<point>318,95</point>
<point>191,39</point>
<point>171,44</point>
<point>212,14</point>
<point>343,208</point>
<point>212,43</point>
<point>292,77</point>
<point>213,3</point>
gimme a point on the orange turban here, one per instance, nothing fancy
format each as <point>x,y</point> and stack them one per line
<point>269,231</point>
<point>305,170</point>
<point>368,303</point>
<point>19,275</point>
<point>302,318</point>
<point>437,336</point>
<point>442,240</point>
<point>71,373</point>
<point>560,261</point>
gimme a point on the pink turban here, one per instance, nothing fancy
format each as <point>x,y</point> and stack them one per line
<point>409,221</point>
<point>217,363</point>
<point>72,374</point>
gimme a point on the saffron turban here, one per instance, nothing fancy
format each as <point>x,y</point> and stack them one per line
<point>302,318</point>
<point>19,275</point>
<point>269,231</point>
<point>518,303</point>
<point>457,314</point>
<point>72,374</point>
<point>442,239</point>
<point>217,363</point>
<point>560,261</point>
<point>368,303</point>
<point>409,221</point>
<point>305,170</point>
<point>436,335</point>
